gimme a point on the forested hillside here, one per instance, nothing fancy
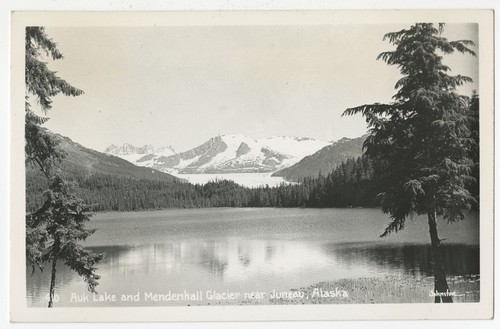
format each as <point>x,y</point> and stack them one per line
<point>347,186</point>
<point>324,160</point>
<point>82,161</point>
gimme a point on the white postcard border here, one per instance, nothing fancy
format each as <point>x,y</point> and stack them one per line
<point>21,313</point>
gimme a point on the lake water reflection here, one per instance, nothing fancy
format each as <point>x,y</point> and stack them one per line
<point>251,250</point>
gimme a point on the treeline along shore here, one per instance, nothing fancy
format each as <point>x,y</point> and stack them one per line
<point>349,185</point>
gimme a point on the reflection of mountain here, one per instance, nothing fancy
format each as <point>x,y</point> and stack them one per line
<point>413,259</point>
<point>244,256</point>
<point>239,263</point>
<point>239,259</point>
<point>230,259</point>
<point>164,257</point>
<point>210,262</point>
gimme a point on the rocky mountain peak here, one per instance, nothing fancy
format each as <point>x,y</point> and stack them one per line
<point>229,153</point>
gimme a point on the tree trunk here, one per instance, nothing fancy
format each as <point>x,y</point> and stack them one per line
<point>52,282</point>
<point>440,284</point>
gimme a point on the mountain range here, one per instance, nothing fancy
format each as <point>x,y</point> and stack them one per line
<point>224,154</point>
<point>132,153</point>
<point>288,157</point>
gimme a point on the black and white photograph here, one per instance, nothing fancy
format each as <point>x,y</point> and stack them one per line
<point>203,162</point>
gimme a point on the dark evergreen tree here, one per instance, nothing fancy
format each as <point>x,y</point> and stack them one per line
<point>419,144</point>
<point>54,230</point>
<point>473,186</point>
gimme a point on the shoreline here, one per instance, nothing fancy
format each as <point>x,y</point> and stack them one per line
<point>391,289</point>
<point>191,208</point>
<point>384,290</point>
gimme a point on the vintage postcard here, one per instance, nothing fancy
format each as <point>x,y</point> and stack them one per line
<point>251,165</point>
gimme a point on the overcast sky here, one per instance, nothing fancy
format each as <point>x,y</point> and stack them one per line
<point>180,86</point>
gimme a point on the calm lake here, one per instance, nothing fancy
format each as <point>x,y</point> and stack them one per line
<point>171,252</point>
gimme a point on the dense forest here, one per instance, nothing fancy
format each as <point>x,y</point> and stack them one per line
<point>349,185</point>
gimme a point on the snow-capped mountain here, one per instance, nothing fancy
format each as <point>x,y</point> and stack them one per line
<point>234,154</point>
<point>132,153</point>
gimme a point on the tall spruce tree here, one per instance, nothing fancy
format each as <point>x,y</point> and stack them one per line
<point>53,232</point>
<point>420,143</point>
